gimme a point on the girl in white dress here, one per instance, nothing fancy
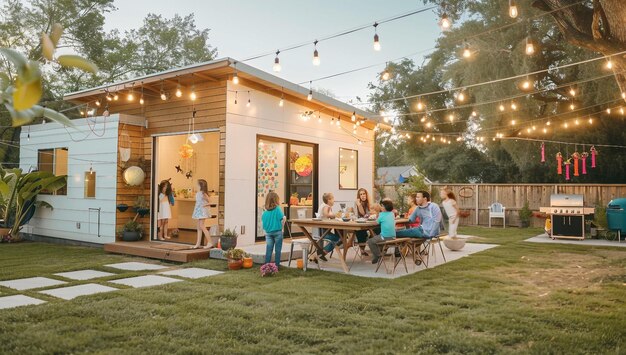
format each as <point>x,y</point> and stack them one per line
<point>448,201</point>
<point>201,212</point>
<point>165,211</point>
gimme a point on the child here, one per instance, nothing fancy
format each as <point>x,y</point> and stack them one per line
<point>273,223</point>
<point>325,211</point>
<point>387,222</point>
<point>452,210</point>
<point>165,211</point>
<point>201,213</point>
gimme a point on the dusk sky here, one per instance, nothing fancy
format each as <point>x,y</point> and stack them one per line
<point>245,28</point>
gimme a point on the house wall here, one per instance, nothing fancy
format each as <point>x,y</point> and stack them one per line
<point>94,146</point>
<point>265,117</point>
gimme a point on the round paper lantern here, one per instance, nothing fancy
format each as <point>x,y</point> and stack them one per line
<point>185,151</point>
<point>134,176</point>
<point>303,166</point>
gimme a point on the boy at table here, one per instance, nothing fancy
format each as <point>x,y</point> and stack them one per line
<point>325,211</point>
<point>387,221</point>
<point>429,215</point>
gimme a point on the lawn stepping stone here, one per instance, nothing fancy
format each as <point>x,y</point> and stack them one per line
<point>192,273</point>
<point>71,292</point>
<point>84,274</point>
<point>136,266</point>
<point>18,301</point>
<point>31,283</point>
<point>145,281</point>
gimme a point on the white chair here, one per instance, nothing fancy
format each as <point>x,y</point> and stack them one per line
<point>496,210</point>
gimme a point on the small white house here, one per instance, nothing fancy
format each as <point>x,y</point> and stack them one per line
<point>257,132</point>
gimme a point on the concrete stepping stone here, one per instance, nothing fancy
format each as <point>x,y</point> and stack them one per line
<point>84,274</point>
<point>145,281</point>
<point>71,292</point>
<point>31,283</point>
<point>18,301</point>
<point>192,273</point>
<point>136,266</point>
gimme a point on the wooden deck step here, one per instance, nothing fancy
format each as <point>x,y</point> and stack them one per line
<point>157,250</point>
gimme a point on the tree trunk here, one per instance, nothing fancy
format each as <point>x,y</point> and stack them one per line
<point>600,29</point>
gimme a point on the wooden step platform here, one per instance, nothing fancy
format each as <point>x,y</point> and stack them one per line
<point>157,250</point>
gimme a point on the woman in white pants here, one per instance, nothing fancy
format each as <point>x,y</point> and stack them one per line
<point>448,201</point>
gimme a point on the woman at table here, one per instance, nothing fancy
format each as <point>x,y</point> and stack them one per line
<point>412,207</point>
<point>363,207</point>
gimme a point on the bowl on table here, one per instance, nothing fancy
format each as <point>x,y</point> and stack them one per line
<point>346,219</point>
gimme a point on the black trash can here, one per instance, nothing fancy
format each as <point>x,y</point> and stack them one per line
<point>616,216</point>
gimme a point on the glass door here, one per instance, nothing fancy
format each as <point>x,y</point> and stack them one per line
<point>271,175</point>
<point>301,180</point>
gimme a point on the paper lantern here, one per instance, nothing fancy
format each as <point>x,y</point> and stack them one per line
<point>576,156</point>
<point>303,166</point>
<point>134,176</point>
<point>584,156</point>
<point>567,164</point>
<point>185,151</point>
<point>559,163</point>
<point>594,152</point>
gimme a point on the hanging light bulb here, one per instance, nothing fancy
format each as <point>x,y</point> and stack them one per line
<point>466,51</point>
<point>277,66</point>
<point>338,123</point>
<point>385,75</point>
<point>445,22</point>
<point>530,46</point>
<point>624,95</point>
<point>163,96</point>
<point>566,125</point>
<point>316,55</point>
<point>513,9</point>
<point>513,106</point>
<point>332,121</point>
<point>420,105</point>
<point>527,130</point>
<point>179,92</point>
<point>548,123</point>
<point>609,64</point>
<point>501,108</point>
<point>116,97</point>
<point>192,95</point>
<point>109,97</point>
<point>534,128</point>
<point>235,78</point>
<point>248,103</point>
<point>577,122</point>
<point>590,120</point>
<point>319,118</point>
<point>281,103</point>
<point>512,122</point>
<point>131,96</point>
<point>545,130</point>
<point>621,111</point>
<point>353,116</point>
<point>98,102</point>
<point>451,117</point>
<point>141,100</point>
<point>571,106</point>
<point>376,38</point>
<point>608,111</point>
<point>572,92</point>
<point>43,122</point>
<point>526,84</point>
<point>310,95</point>
<point>474,113</point>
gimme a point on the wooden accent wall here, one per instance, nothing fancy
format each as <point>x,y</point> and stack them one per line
<point>171,116</point>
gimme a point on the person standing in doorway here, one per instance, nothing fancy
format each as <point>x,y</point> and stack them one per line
<point>201,213</point>
<point>165,211</point>
<point>273,220</point>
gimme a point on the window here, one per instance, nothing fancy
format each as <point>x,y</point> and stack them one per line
<point>348,169</point>
<point>53,161</point>
<point>90,184</point>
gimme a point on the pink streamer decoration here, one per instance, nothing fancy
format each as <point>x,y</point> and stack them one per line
<point>593,157</point>
<point>543,153</point>
<point>567,171</point>
<point>584,160</point>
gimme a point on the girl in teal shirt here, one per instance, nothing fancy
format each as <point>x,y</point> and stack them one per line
<point>273,221</point>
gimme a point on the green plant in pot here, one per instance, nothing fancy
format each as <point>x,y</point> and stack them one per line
<point>228,239</point>
<point>235,258</point>
<point>132,231</point>
<point>141,206</point>
<point>524,216</point>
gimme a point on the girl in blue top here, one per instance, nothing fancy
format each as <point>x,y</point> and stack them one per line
<point>387,221</point>
<point>273,221</point>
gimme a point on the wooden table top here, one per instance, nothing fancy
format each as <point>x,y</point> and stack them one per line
<point>339,224</point>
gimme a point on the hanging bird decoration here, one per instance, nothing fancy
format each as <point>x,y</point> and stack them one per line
<point>189,174</point>
<point>559,163</point>
<point>178,169</point>
<point>594,152</point>
<point>576,157</point>
<point>584,156</point>
<point>568,162</point>
<point>543,152</point>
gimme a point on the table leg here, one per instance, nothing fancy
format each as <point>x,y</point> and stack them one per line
<point>342,254</point>
<point>310,237</point>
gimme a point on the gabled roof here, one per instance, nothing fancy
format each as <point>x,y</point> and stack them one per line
<point>220,69</point>
<point>392,175</point>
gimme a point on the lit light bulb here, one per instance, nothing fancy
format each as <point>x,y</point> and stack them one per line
<point>526,84</point>
<point>310,95</point>
<point>163,96</point>
<point>193,138</point>
<point>513,9</point>
<point>98,103</point>
<point>420,106</point>
<point>534,128</point>
<point>428,124</point>
<point>445,22</point>
<point>131,96</point>
<point>466,51</point>
<point>572,107</point>
<point>332,121</point>
<point>248,103</point>
<point>281,102</point>
<point>116,97</point>
<point>316,58</point>
<point>376,39</point>
<point>572,92</point>
<point>235,78</point>
<point>338,122</point>
<point>621,111</point>
<point>192,95</point>
<point>530,46</point>
<point>461,97</point>
<point>179,92</point>
<point>566,125</point>
<point>474,113</point>
<point>451,117</point>
<point>276,66</point>
<point>527,130</point>
<point>385,75</point>
<point>501,108</point>
<point>545,130</point>
<point>423,119</point>
<point>590,120</point>
<point>512,122</point>
<point>141,101</point>
<point>353,116</point>
<point>577,122</point>
<point>608,111</point>
<point>109,97</point>
<point>513,106</point>
<point>624,95</point>
<point>319,119</point>
<point>609,64</point>
<point>548,123</point>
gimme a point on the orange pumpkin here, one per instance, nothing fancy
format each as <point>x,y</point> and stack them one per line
<point>247,263</point>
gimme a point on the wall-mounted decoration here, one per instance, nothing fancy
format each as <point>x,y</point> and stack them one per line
<point>303,166</point>
<point>267,169</point>
<point>466,192</point>
<point>134,176</point>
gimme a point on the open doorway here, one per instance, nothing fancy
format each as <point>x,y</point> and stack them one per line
<point>182,163</point>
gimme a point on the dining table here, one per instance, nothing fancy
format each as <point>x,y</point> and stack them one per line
<point>346,230</point>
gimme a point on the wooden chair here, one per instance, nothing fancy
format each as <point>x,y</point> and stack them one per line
<point>431,247</point>
<point>398,244</point>
<point>413,246</point>
<point>496,210</point>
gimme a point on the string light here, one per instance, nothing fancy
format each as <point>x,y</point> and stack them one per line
<point>460,96</point>
<point>248,103</point>
<point>310,95</point>
<point>590,120</point>
<point>282,100</point>
<point>501,108</point>
<point>163,96</point>
<point>385,75</point>
<point>513,12</point>
<point>420,105</point>
<point>353,116</point>
<point>609,64</point>
<point>192,95</point>
<point>116,97</point>
<point>530,46</point>
<point>98,102</point>
<point>141,100</point>
<point>621,111</point>
<point>526,84</point>
<point>451,117</point>
<point>109,97</point>
<point>338,121</point>
<point>131,95</point>
<point>572,92</point>
<point>179,91</point>
<point>235,76</point>
<point>445,22</point>
<point>316,55</point>
<point>376,38</point>
<point>608,111</point>
<point>319,118</point>
<point>276,67</point>
<point>466,50</point>
<point>513,106</point>
<point>512,122</point>
<point>474,114</point>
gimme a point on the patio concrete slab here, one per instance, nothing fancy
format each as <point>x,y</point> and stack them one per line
<point>364,267</point>
<point>31,283</point>
<point>192,273</point>
<point>71,292</point>
<point>18,301</point>
<point>84,274</point>
<point>257,252</point>
<point>136,266</point>
<point>543,238</point>
<point>145,281</point>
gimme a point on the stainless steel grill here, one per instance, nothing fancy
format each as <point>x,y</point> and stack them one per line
<point>567,215</point>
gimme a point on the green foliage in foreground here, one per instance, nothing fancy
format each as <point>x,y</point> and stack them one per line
<point>517,297</point>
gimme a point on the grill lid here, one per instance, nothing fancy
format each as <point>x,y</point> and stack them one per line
<point>566,200</point>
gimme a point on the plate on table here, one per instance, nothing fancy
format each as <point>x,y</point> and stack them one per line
<point>316,219</point>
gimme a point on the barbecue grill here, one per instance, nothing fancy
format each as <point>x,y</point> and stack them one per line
<point>567,213</point>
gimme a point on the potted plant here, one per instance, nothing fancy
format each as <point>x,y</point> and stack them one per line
<point>141,206</point>
<point>524,216</point>
<point>247,261</point>
<point>235,258</point>
<point>269,269</point>
<point>132,231</point>
<point>228,239</point>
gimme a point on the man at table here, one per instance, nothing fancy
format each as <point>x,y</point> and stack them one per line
<point>429,215</point>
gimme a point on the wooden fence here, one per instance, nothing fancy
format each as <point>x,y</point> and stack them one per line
<point>476,198</point>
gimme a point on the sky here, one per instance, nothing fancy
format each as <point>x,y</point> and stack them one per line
<point>244,28</point>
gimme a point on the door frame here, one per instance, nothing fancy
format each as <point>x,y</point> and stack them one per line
<point>288,142</point>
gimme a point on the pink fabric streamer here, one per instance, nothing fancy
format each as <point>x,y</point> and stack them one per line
<point>543,153</point>
<point>567,171</point>
<point>593,157</point>
<point>584,161</point>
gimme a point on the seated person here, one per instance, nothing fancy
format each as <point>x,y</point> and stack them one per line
<point>429,215</point>
<point>412,207</point>
<point>326,212</point>
<point>364,209</point>
<point>387,222</point>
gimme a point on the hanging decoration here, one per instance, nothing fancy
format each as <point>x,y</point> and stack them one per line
<point>185,151</point>
<point>584,156</point>
<point>543,152</point>
<point>124,145</point>
<point>134,176</point>
<point>594,152</point>
<point>303,166</point>
<point>567,165</point>
<point>559,163</point>
<point>178,168</point>
<point>576,157</point>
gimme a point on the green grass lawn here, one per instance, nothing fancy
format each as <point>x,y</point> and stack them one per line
<point>517,297</point>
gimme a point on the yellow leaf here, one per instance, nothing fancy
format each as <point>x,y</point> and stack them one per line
<point>47,47</point>
<point>78,62</point>
<point>55,34</point>
<point>26,94</point>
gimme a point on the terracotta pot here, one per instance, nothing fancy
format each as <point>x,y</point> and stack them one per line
<point>300,264</point>
<point>4,231</point>
<point>235,264</point>
<point>247,263</point>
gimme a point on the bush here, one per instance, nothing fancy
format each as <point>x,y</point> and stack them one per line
<point>599,216</point>
<point>524,214</point>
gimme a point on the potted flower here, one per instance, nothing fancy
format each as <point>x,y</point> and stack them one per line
<point>247,261</point>
<point>235,258</point>
<point>524,216</point>
<point>269,269</point>
<point>228,239</point>
<point>141,206</point>
<point>132,231</point>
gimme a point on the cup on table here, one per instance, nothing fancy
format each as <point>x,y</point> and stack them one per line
<point>317,215</point>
